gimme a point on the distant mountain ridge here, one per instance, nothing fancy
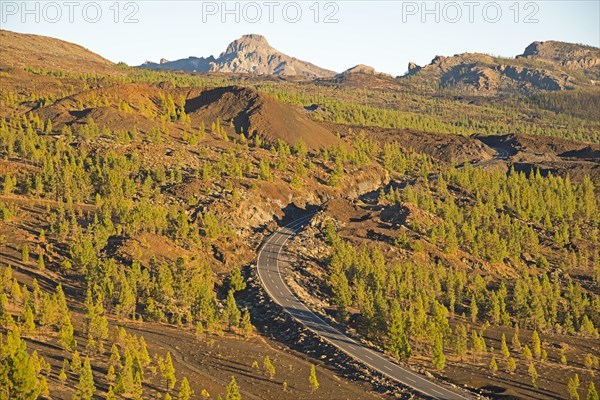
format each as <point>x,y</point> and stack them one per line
<point>543,65</point>
<point>549,65</point>
<point>249,54</point>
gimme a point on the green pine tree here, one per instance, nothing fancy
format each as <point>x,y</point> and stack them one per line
<point>438,359</point>
<point>269,367</point>
<point>233,391</point>
<point>168,371</point>
<point>592,394</point>
<point>86,387</point>
<point>572,387</point>
<point>246,323</point>
<point>536,344</point>
<point>312,379</point>
<point>504,347</point>
<point>185,391</point>
<point>233,312</point>
<point>493,364</point>
<point>533,374</point>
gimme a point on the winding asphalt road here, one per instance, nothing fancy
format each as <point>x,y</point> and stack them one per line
<point>269,266</point>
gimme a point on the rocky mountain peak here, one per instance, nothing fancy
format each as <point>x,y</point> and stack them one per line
<point>247,44</point>
<point>248,54</point>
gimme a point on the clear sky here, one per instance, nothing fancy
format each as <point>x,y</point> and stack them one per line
<point>383,34</point>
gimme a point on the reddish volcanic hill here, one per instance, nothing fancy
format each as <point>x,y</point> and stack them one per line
<point>257,114</point>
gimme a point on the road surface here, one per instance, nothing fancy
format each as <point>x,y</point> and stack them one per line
<point>268,265</point>
<point>501,153</point>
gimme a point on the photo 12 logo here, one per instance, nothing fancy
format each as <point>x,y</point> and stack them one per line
<point>270,11</point>
<point>470,11</point>
<point>69,11</point>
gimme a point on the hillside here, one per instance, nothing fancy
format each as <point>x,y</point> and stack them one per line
<point>454,231</point>
<point>40,52</point>
<point>255,114</point>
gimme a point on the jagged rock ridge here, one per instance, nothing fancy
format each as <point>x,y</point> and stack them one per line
<point>547,65</point>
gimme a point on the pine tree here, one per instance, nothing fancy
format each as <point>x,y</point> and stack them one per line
<point>536,344</point>
<point>168,371</point>
<point>516,343</point>
<point>527,353</point>
<point>246,323</point>
<point>563,357</point>
<point>479,346</point>
<point>233,391</point>
<point>185,391</point>
<point>137,391</point>
<point>504,348</point>
<point>265,170</point>
<point>115,356</point>
<point>589,361</point>
<point>75,362</point>
<point>62,375</point>
<point>511,365</point>
<point>269,367</point>
<point>236,280</point>
<point>17,369</point>
<point>110,395</point>
<point>473,309</point>
<point>91,345</point>
<point>48,128</point>
<point>111,374</point>
<point>312,379</point>
<point>493,364</point>
<point>533,374</point>
<point>232,311</point>
<point>438,359</point>
<point>27,319</point>
<point>199,330</point>
<point>125,380</point>
<point>43,387</point>
<point>25,254</point>
<point>86,387</point>
<point>461,341</point>
<point>592,394</point>
<point>66,339</point>
<point>398,343</point>
<point>572,387</point>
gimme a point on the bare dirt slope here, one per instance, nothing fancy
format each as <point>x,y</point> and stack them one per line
<point>20,50</point>
<point>254,113</point>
